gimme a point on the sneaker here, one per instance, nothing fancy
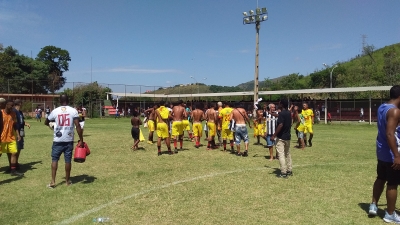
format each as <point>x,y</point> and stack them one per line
<point>372,209</point>
<point>159,153</point>
<point>15,173</point>
<point>394,218</point>
<point>309,143</point>
<point>176,151</point>
<point>245,154</point>
<point>289,173</point>
<point>170,152</point>
<point>149,142</point>
<point>283,175</point>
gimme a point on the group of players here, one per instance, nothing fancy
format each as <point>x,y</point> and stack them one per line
<point>226,121</point>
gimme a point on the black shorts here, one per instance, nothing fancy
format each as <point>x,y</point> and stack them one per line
<point>135,133</point>
<point>387,173</point>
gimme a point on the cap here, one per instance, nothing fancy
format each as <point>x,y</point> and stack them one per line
<point>2,100</point>
<point>219,103</point>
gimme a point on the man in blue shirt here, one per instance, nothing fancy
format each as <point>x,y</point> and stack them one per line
<point>387,152</point>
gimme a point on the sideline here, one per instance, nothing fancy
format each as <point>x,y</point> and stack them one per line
<point>116,201</point>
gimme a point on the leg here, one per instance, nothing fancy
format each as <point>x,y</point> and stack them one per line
<point>377,190</point>
<point>54,166</point>
<point>391,197</point>
<point>271,153</point>
<point>67,173</point>
<point>280,148</point>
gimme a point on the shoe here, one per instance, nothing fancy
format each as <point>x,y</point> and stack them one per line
<point>159,153</point>
<point>283,175</point>
<point>245,154</point>
<point>309,143</point>
<point>176,151</point>
<point>15,173</point>
<point>149,142</point>
<point>170,152</point>
<point>289,173</point>
<point>394,218</point>
<point>372,209</point>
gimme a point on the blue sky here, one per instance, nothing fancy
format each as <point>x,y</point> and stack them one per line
<point>165,42</point>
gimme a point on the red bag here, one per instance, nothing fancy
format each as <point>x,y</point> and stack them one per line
<point>81,153</point>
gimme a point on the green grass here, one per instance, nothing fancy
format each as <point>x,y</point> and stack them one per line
<point>332,181</point>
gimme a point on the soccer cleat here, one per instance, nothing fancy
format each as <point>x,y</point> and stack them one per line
<point>159,153</point>
<point>394,218</point>
<point>289,173</point>
<point>245,154</point>
<point>176,151</point>
<point>373,209</point>
<point>237,154</point>
<point>170,152</point>
<point>309,143</point>
<point>149,142</point>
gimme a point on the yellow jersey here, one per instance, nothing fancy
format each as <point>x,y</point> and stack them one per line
<point>164,112</point>
<point>308,116</point>
<point>225,115</point>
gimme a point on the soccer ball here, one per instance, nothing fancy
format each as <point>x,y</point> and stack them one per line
<point>51,125</point>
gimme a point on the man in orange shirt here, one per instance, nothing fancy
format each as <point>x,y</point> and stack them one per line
<point>9,136</point>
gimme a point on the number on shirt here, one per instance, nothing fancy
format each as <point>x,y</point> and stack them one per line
<point>64,120</point>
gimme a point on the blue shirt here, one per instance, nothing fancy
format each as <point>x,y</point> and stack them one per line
<point>383,151</point>
<point>20,119</point>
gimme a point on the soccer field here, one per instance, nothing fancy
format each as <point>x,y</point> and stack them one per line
<point>332,181</point>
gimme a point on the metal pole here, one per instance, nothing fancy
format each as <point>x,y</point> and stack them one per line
<point>256,66</point>
<point>370,110</point>
<point>331,78</point>
<point>326,110</point>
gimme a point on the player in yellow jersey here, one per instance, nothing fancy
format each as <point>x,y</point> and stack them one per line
<point>308,124</point>
<point>226,133</point>
<point>162,120</point>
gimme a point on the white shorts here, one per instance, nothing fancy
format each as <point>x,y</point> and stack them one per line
<point>82,124</point>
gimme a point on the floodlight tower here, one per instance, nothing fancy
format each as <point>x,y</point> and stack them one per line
<point>251,18</point>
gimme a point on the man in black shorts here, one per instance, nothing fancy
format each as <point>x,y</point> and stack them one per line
<point>135,131</point>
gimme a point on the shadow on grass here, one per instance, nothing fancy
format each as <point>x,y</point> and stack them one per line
<point>84,179</point>
<point>365,207</point>
<point>23,167</point>
<point>11,180</point>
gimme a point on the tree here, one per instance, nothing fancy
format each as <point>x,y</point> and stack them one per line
<point>391,67</point>
<point>56,60</point>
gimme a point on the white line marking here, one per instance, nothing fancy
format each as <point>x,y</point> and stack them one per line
<point>116,201</point>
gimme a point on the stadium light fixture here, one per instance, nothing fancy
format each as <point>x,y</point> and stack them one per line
<point>261,15</point>
<point>330,75</point>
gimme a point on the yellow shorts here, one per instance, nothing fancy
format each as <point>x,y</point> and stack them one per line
<point>308,129</point>
<point>162,130</point>
<point>227,134</point>
<point>150,125</point>
<point>185,124</point>
<point>177,128</point>
<point>259,131</point>
<point>211,129</point>
<point>197,131</point>
<point>9,147</point>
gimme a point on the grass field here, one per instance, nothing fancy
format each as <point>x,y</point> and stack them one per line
<point>332,181</point>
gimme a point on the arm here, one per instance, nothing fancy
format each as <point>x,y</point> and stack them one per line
<point>79,131</point>
<point>393,118</point>
<point>278,129</point>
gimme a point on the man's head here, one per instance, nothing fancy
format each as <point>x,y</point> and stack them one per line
<point>219,104</point>
<point>212,105</point>
<point>63,99</point>
<point>2,103</point>
<point>135,113</point>
<point>198,105</point>
<point>180,102</point>
<point>395,92</point>
<point>284,103</point>
<point>162,103</point>
<point>17,104</point>
<point>9,105</point>
<point>227,104</point>
<point>272,107</point>
<point>305,106</point>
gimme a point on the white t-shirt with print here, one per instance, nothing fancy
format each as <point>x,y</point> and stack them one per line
<point>64,118</point>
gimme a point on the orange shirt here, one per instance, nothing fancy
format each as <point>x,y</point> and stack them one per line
<point>8,134</point>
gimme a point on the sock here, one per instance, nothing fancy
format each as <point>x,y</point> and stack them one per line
<point>159,148</point>
<point>231,141</point>
<point>258,139</point>
<point>13,166</point>
<point>209,144</point>
<point>197,143</point>
<point>224,143</point>
<point>181,143</point>
<point>169,149</point>
<point>190,135</point>
<point>175,143</point>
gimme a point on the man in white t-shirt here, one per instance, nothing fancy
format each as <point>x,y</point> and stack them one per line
<point>65,118</point>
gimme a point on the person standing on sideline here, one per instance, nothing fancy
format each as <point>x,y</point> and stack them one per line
<point>308,126</point>
<point>47,112</point>
<point>20,127</point>
<point>135,131</point>
<point>225,118</point>
<point>10,136</point>
<point>240,117</point>
<point>361,115</point>
<point>65,118</point>
<point>387,152</point>
<point>211,118</point>
<point>282,136</point>
<point>38,112</point>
